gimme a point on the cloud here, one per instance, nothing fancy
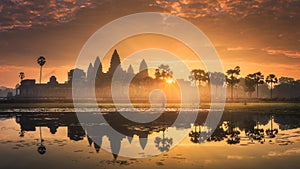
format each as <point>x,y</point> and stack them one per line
<point>269,44</point>
<point>7,68</point>
<point>24,14</point>
<point>239,48</point>
<point>287,53</point>
<point>232,157</point>
<point>234,8</point>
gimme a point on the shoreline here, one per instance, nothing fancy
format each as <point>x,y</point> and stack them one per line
<point>171,107</point>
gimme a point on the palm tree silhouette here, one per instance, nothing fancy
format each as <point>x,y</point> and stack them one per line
<point>249,84</point>
<point>41,61</point>
<point>198,75</point>
<point>272,79</point>
<point>21,75</point>
<point>258,79</point>
<point>163,72</point>
<point>232,78</point>
<point>217,79</point>
<point>41,148</point>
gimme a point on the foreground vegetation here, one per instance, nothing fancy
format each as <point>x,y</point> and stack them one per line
<point>229,107</point>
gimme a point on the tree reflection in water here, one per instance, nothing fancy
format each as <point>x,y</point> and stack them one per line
<point>22,133</point>
<point>163,144</point>
<point>195,134</point>
<point>233,133</point>
<point>41,147</point>
<point>229,129</point>
<point>271,132</point>
<point>256,134</point>
<point>219,134</point>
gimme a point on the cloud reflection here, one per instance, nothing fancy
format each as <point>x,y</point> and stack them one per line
<point>284,153</point>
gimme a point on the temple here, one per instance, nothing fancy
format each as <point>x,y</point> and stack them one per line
<point>30,89</point>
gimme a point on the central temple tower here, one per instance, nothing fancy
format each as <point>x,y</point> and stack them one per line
<point>114,63</point>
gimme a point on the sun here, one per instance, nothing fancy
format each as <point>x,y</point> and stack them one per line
<point>170,81</point>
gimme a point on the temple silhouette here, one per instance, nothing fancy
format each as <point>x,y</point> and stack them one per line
<point>141,84</point>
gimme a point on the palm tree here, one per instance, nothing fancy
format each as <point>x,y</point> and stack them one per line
<point>157,74</point>
<point>272,79</point>
<point>22,75</point>
<point>249,84</point>
<point>232,78</point>
<point>217,79</point>
<point>258,79</point>
<point>198,75</point>
<point>41,61</point>
<point>163,72</point>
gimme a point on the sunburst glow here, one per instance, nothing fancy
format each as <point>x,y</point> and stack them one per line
<point>170,81</point>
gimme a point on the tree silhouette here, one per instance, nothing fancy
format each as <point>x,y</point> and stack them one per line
<point>22,75</point>
<point>286,80</point>
<point>198,75</point>
<point>157,74</point>
<point>217,79</point>
<point>287,88</point>
<point>163,72</point>
<point>41,61</point>
<point>258,78</point>
<point>232,78</point>
<point>249,84</point>
<point>272,79</point>
<point>41,148</point>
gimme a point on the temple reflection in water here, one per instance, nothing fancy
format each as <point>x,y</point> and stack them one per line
<point>234,128</point>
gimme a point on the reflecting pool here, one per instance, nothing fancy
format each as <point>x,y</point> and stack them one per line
<point>58,140</point>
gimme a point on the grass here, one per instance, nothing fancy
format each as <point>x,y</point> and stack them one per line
<point>230,107</point>
<point>263,107</point>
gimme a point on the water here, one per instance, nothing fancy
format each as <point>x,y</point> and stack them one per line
<point>57,140</point>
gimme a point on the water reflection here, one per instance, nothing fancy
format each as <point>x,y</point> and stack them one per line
<point>164,143</point>
<point>271,132</point>
<point>234,128</point>
<point>41,147</point>
<point>255,130</point>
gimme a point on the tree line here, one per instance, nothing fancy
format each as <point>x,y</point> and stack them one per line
<point>284,87</point>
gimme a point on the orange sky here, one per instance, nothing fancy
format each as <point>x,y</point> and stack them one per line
<point>256,35</point>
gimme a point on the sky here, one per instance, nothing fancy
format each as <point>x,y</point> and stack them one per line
<point>257,35</point>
